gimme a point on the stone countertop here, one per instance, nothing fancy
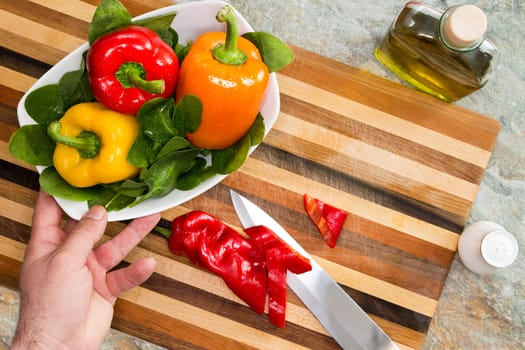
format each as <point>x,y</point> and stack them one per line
<point>474,312</point>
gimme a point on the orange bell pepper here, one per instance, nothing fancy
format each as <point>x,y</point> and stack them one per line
<point>226,72</point>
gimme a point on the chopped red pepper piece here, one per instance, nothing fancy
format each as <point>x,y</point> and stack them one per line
<point>328,219</point>
<point>267,240</point>
<point>276,289</point>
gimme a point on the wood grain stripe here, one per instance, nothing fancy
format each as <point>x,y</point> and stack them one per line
<point>166,331</point>
<point>35,40</point>
<point>15,80</point>
<point>73,8</point>
<point>375,165</point>
<point>12,249</point>
<point>379,288</point>
<point>15,211</point>
<point>396,126</point>
<point>354,150</point>
<point>379,138</point>
<point>214,324</point>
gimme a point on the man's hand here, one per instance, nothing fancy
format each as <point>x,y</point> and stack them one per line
<point>67,293</point>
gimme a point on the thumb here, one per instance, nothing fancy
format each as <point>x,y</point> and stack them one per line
<point>86,233</point>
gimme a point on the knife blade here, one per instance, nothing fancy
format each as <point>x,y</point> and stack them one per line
<point>341,316</point>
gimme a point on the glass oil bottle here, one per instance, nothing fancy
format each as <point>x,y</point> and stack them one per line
<point>443,53</point>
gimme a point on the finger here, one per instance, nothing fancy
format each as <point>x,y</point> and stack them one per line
<point>122,280</point>
<point>86,234</point>
<point>113,251</point>
<point>47,214</point>
<point>46,234</point>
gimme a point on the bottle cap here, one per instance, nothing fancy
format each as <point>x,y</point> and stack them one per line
<point>499,248</point>
<point>465,26</point>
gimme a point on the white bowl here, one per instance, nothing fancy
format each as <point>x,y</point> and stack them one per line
<point>192,19</point>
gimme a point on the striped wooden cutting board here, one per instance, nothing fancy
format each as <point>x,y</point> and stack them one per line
<point>405,166</point>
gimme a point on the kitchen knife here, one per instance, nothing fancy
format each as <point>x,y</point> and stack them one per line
<point>348,324</point>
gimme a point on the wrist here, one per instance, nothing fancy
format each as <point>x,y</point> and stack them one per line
<point>35,341</point>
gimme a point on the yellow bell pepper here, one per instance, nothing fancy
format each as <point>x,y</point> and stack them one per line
<point>92,145</point>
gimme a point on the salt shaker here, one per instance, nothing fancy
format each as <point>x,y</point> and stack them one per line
<point>485,246</point>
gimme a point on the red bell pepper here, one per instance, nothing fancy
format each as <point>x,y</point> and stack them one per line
<point>207,242</point>
<point>328,219</point>
<point>130,66</point>
<point>250,267</point>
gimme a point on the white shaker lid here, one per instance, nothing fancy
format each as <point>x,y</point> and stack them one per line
<point>466,25</point>
<point>499,248</point>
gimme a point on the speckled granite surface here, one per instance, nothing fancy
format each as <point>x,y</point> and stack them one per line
<point>474,312</point>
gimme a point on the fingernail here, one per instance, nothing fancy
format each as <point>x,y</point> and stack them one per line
<point>96,213</point>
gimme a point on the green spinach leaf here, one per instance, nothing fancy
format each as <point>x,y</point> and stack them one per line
<point>142,151</point>
<point>44,104</point>
<point>230,159</point>
<point>109,15</point>
<point>118,195</point>
<point>188,114</point>
<point>132,188</point>
<point>159,23</point>
<point>199,173</point>
<point>32,144</point>
<point>74,88</point>
<point>161,178</point>
<point>275,54</point>
<point>182,50</point>
<point>175,144</point>
<point>118,202</point>
<point>155,118</point>
<point>257,130</point>
<point>103,197</point>
<point>169,36</point>
<point>52,183</point>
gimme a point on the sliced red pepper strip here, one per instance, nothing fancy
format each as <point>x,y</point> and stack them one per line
<point>267,240</point>
<point>263,237</point>
<point>328,219</point>
<point>276,288</point>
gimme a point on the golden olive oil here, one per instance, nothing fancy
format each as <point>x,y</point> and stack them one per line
<point>415,50</point>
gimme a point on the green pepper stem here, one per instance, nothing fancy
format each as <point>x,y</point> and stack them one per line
<point>132,74</point>
<point>229,53</point>
<point>162,231</point>
<point>87,143</point>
